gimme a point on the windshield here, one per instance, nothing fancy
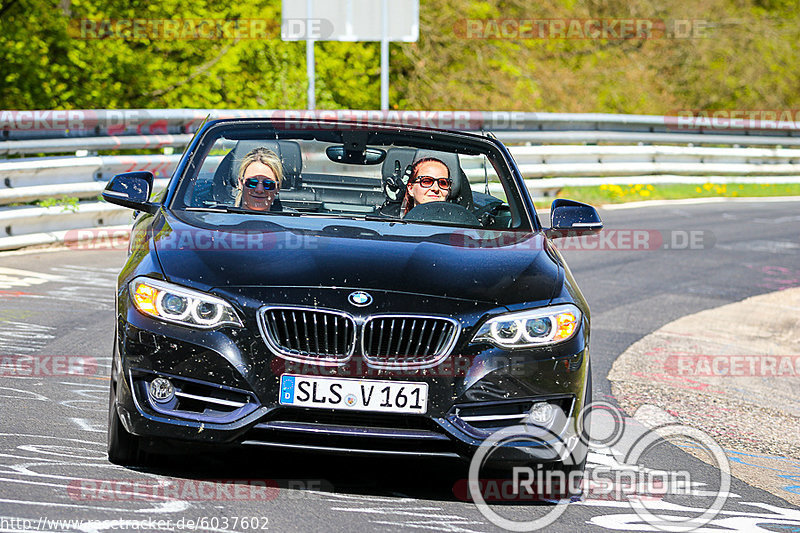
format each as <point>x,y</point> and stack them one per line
<point>352,172</point>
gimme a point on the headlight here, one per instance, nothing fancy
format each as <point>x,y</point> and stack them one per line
<point>174,303</point>
<point>536,327</point>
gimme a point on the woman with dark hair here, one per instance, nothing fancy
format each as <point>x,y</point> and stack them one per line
<point>429,182</point>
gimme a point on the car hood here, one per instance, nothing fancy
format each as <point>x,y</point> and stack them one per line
<point>502,268</point>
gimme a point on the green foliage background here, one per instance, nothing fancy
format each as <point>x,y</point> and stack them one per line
<point>749,60</point>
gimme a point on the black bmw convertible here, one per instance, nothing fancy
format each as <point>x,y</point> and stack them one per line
<point>346,288</point>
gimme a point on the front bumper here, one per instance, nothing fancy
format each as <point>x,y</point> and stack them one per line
<point>232,381</point>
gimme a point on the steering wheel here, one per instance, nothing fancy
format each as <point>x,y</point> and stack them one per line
<point>487,213</point>
<point>443,212</point>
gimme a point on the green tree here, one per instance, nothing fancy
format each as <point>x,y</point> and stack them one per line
<point>745,60</point>
<point>48,61</point>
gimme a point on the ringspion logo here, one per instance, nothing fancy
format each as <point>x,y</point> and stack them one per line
<point>628,479</point>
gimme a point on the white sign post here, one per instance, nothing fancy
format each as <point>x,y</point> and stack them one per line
<point>310,63</point>
<point>350,20</point>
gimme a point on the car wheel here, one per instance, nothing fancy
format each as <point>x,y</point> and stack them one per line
<point>123,448</point>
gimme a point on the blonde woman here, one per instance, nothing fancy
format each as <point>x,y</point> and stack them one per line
<point>260,176</point>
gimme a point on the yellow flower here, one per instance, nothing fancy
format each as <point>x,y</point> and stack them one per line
<point>698,189</point>
<point>639,187</point>
<point>649,187</point>
<point>604,187</point>
<point>708,186</point>
<point>735,193</point>
<point>644,193</point>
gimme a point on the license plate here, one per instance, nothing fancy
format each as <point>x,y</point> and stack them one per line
<point>354,394</point>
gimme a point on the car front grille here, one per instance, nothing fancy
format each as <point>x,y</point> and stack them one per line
<point>313,335</point>
<point>397,341</point>
<point>329,337</point>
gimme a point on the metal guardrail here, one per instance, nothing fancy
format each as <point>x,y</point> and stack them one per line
<point>144,142</point>
<point>46,219</point>
<point>53,170</point>
<point>44,124</point>
<point>31,179</point>
<point>33,225</point>
<point>647,137</point>
<point>90,144</point>
<point>553,150</point>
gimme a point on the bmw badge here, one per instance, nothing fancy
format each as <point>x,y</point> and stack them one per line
<point>360,298</point>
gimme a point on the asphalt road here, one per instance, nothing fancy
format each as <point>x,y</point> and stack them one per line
<point>52,428</point>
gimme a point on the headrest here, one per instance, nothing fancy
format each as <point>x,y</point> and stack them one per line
<point>402,155</point>
<point>292,159</point>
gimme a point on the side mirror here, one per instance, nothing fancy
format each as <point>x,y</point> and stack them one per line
<point>570,218</point>
<point>131,189</point>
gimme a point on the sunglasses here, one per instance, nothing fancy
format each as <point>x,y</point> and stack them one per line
<point>427,182</point>
<point>269,184</point>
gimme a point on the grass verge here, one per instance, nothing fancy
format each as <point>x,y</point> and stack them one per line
<point>615,194</point>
